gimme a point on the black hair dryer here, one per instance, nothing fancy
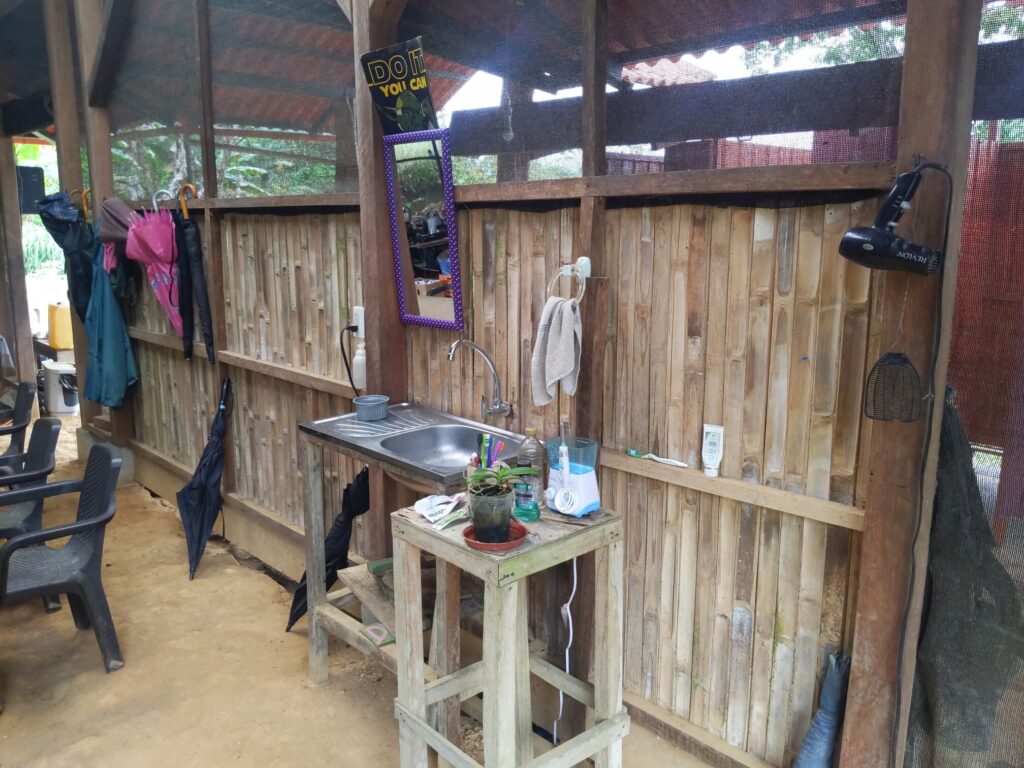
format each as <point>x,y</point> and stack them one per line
<point>878,246</point>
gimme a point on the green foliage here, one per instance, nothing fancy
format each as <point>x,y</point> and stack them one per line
<point>1007,130</point>
<point>419,176</point>
<point>496,480</point>
<point>39,249</point>
<point>41,156</point>
<point>882,40</point>
<point>475,170</point>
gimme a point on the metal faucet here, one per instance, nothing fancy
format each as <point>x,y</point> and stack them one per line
<point>497,407</point>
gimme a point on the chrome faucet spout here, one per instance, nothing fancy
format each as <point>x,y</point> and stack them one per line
<point>497,406</point>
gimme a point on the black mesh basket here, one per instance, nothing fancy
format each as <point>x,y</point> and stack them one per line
<point>894,389</point>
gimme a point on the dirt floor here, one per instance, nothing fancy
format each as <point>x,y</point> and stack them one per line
<point>210,676</point>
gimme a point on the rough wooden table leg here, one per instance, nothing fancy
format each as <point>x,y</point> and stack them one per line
<point>316,588</point>
<point>409,645</point>
<point>500,650</point>
<point>608,645</point>
<point>445,651</point>
<point>524,709</point>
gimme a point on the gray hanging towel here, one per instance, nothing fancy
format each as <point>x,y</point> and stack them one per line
<point>556,351</point>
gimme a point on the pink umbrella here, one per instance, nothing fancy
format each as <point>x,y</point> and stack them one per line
<point>151,242</point>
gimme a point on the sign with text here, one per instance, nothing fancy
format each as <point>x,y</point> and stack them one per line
<point>397,76</point>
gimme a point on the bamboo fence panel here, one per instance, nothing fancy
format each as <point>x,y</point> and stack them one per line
<point>736,316</point>
<point>174,404</point>
<point>290,283</point>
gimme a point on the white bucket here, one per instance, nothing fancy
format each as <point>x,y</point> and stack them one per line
<point>60,388</point>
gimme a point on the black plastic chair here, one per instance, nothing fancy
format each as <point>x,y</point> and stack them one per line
<point>19,416</point>
<point>28,571</point>
<point>23,470</point>
<point>20,470</point>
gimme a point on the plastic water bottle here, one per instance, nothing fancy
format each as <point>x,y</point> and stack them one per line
<point>530,488</point>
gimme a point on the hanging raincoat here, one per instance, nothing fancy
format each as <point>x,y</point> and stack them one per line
<point>112,369</point>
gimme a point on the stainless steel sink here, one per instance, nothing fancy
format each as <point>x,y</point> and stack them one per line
<point>445,446</point>
<point>414,441</point>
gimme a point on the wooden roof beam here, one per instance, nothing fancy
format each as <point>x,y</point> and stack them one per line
<point>116,25</point>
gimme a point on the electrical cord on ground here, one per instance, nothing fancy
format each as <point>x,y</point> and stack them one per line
<point>567,618</point>
<point>918,519</point>
<point>344,354</point>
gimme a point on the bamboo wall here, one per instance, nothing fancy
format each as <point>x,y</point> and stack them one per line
<point>735,316</point>
<point>290,284</point>
<point>744,317</point>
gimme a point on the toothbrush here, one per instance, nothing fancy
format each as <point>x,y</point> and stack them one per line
<point>660,459</point>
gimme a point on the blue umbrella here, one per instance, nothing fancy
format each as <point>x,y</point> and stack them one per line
<point>199,502</point>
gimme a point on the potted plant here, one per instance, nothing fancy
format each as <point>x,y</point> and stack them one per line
<point>491,500</point>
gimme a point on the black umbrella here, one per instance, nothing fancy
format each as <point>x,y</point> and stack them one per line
<point>354,502</point>
<point>191,278</point>
<point>77,239</point>
<point>199,501</point>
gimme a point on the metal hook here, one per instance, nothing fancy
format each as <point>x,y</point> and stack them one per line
<point>167,195</point>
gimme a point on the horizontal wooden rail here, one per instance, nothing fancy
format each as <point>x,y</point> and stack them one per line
<point>824,177</point>
<point>287,373</point>
<point>166,340</point>
<point>682,733</point>
<point>798,504</point>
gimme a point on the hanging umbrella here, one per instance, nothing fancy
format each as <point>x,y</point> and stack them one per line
<point>199,501</point>
<point>116,218</point>
<point>151,241</point>
<point>191,277</point>
<point>77,239</point>
<point>354,502</point>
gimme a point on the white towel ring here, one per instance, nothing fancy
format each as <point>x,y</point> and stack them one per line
<point>569,270</point>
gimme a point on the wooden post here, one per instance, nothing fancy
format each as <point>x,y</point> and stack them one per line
<point>595,77</point>
<point>205,69</point>
<point>409,642</point>
<point>588,405</point>
<point>935,114</point>
<point>88,16</point>
<point>316,586</point>
<point>15,297</point>
<point>374,24</point>
<point>446,651</point>
<point>59,42</point>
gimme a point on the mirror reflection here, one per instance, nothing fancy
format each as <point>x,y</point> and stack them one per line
<point>426,258</point>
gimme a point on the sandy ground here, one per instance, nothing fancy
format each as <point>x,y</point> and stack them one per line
<point>210,677</point>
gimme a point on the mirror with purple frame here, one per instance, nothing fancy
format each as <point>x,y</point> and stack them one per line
<point>421,205</point>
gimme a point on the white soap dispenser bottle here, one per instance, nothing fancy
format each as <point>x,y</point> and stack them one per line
<point>359,366</point>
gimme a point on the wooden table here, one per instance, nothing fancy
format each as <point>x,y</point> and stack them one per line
<point>503,675</point>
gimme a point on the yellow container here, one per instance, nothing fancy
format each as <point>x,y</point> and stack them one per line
<point>60,327</point>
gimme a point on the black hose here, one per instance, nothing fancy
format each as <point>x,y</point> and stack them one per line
<point>344,354</point>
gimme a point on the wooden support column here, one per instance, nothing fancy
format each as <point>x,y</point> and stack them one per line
<point>59,50</point>
<point>205,70</point>
<point>374,25</point>
<point>14,301</point>
<point>88,16</point>
<point>935,113</point>
<point>588,404</point>
<point>513,166</point>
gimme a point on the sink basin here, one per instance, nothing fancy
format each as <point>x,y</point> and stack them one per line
<point>444,446</point>
<point>413,441</point>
